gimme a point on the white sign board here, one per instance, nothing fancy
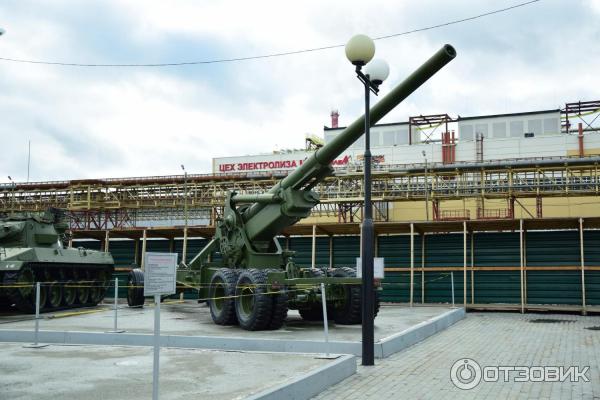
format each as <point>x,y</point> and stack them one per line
<point>159,273</point>
<point>377,268</point>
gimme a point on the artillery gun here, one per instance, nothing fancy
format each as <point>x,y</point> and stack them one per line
<point>255,281</point>
<point>32,250</point>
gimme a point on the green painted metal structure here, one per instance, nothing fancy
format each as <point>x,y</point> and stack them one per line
<point>492,251</point>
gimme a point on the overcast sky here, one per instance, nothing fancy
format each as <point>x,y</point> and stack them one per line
<point>116,122</point>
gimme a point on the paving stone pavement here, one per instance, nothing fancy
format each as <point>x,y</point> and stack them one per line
<point>490,339</point>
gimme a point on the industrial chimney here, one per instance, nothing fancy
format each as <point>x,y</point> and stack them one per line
<point>334,118</point>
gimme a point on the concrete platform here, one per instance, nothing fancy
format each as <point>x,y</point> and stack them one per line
<point>188,324</point>
<point>93,372</point>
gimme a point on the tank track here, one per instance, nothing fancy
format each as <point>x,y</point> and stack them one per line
<point>64,286</point>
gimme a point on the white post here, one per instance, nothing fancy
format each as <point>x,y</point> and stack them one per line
<point>522,265</point>
<point>412,263</point>
<point>325,322</point>
<point>314,247</point>
<point>37,313</point>
<point>144,234</point>
<point>581,252</point>
<point>452,284</point>
<point>115,330</point>
<point>36,345</point>
<point>465,264</point>
<point>116,300</point>
<point>156,346</point>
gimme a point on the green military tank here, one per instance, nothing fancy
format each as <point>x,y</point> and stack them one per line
<point>32,250</point>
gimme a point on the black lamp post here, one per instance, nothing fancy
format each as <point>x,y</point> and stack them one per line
<point>360,50</point>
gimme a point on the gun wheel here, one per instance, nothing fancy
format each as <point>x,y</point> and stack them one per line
<point>350,311</point>
<point>135,288</point>
<point>222,296</point>
<point>253,304</point>
<point>315,312</point>
<point>280,308</point>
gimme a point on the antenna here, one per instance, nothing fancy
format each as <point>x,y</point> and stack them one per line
<point>28,159</point>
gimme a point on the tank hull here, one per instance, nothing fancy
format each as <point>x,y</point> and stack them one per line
<point>70,279</point>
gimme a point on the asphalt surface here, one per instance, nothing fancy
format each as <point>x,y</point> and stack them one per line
<point>190,318</point>
<point>112,372</point>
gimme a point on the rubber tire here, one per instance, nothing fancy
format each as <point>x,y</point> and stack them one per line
<point>351,311</point>
<point>280,308</point>
<point>315,313</point>
<point>222,311</point>
<point>135,288</point>
<point>253,304</point>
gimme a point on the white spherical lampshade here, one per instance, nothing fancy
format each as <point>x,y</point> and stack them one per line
<point>360,49</point>
<point>378,71</point>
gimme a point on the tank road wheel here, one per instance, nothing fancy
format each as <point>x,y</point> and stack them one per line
<point>221,296</point>
<point>83,292</point>
<point>280,308</point>
<point>69,294</point>
<point>101,284</point>
<point>83,289</point>
<point>253,305</point>
<point>96,292</point>
<point>55,295</point>
<point>135,288</point>
<point>22,289</point>
<point>350,311</point>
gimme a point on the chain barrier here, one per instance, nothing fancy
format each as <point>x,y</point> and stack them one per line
<point>84,284</point>
<point>299,288</point>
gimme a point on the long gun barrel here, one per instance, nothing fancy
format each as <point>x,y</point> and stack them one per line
<point>263,219</point>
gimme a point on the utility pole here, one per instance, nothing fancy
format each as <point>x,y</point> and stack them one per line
<point>185,216</point>
<point>426,188</point>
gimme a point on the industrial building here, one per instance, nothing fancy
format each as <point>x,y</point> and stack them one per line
<point>503,205</point>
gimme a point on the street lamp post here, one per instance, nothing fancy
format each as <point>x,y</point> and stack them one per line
<point>14,186</point>
<point>185,216</point>
<point>426,188</point>
<point>360,50</point>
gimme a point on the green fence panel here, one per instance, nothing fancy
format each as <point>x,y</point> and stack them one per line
<point>193,248</point>
<point>592,288</point>
<point>552,248</point>
<point>445,250</point>
<point>346,249</point>
<point>396,287</point>
<point>303,248</point>
<point>123,252</point>
<point>591,247</point>
<point>396,250</point>
<point>554,287</point>
<point>502,287</point>
<point>492,249</point>
<point>438,287</point>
